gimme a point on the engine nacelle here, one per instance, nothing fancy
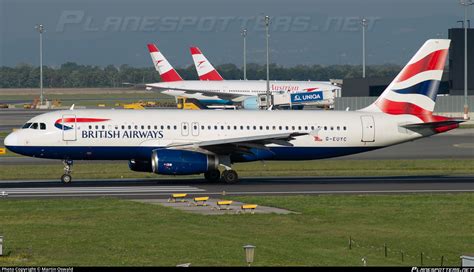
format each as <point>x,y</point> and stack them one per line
<point>250,103</point>
<point>182,162</point>
<point>140,166</point>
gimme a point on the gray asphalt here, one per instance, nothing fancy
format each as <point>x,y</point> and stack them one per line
<point>149,188</point>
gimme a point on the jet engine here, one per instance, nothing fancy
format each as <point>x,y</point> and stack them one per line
<point>182,162</point>
<point>250,103</point>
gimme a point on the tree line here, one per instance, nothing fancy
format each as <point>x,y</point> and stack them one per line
<point>72,75</point>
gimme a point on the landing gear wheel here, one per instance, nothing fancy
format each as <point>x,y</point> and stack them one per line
<point>66,178</point>
<point>213,175</point>
<point>230,177</point>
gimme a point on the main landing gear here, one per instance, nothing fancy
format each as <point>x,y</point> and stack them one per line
<point>228,176</point>
<point>66,178</point>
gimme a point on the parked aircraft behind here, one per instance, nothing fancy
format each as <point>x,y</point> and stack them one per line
<point>179,142</point>
<point>212,89</point>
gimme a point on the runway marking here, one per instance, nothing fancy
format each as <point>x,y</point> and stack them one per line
<point>357,192</point>
<point>100,190</point>
<point>200,192</point>
<point>464,145</point>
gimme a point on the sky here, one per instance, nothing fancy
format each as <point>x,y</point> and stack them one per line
<point>302,32</point>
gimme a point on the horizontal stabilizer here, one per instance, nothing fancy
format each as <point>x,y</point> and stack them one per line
<point>435,124</point>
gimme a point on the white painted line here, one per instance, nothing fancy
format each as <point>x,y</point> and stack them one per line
<point>352,192</point>
<point>244,193</point>
<point>104,190</point>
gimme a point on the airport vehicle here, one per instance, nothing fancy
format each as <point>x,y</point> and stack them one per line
<point>179,142</point>
<point>212,90</point>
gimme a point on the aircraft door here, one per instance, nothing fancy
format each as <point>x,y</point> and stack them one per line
<point>195,129</point>
<point>368,128</point>
<point>69,127</point>
<point>184,129</point>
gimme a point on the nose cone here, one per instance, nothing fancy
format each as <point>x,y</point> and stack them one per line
<point>11,139</point>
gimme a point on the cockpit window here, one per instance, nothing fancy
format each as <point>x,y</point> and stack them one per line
<point>42,126</point>
<point>27,125</point>
<point>34,126</point>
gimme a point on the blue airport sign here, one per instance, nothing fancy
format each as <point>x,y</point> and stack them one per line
<point>306,97</point>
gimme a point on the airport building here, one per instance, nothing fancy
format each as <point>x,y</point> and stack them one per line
<point>452,82</point>
<point>359,92</point>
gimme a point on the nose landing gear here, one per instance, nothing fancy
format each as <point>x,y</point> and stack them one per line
<point>66,178</point>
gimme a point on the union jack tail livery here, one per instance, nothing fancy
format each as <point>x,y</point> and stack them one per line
<point>164,68</point>
<point>204,68</point>
<point>414,89</point>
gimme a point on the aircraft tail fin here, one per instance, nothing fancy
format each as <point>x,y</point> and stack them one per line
<point>414,89</point>
<point>164,68</point>
<point>204,68</point>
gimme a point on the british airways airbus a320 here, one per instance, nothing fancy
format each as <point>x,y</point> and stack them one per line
<point>177,142</point>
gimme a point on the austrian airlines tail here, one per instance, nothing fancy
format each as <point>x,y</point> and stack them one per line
<point>204,68</point>
<point>164,68</point>
<point>414,89</point>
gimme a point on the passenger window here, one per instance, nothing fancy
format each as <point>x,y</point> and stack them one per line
<point>338,128</point>
<point>155,127</point>
<point>202,127</point>
<point>209,127</point>
<point>332,128</point>
<point>143,127</point>
<point>292,127</point>
<point>222,127</point>
<point>248,127</point>
<point>325,128</point>
<point>242,127</point>
<point>162,127</point>
<point>305,128</point>
<point>175,127</point>
<point>215,127</point>
<point>103,127</point>
<point>168,127</point>
<point>96,127</point>
<point>42,126</point>
<point>344,128</point>
<point>254,127</point>
<point>228,127</point>
<point>299,127</point>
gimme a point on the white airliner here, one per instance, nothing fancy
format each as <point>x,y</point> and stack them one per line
<point>212,89</point>
<point>180,142</point>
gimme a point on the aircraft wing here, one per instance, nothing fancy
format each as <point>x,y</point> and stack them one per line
<point>238,145</point>
<point>209,93</point>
